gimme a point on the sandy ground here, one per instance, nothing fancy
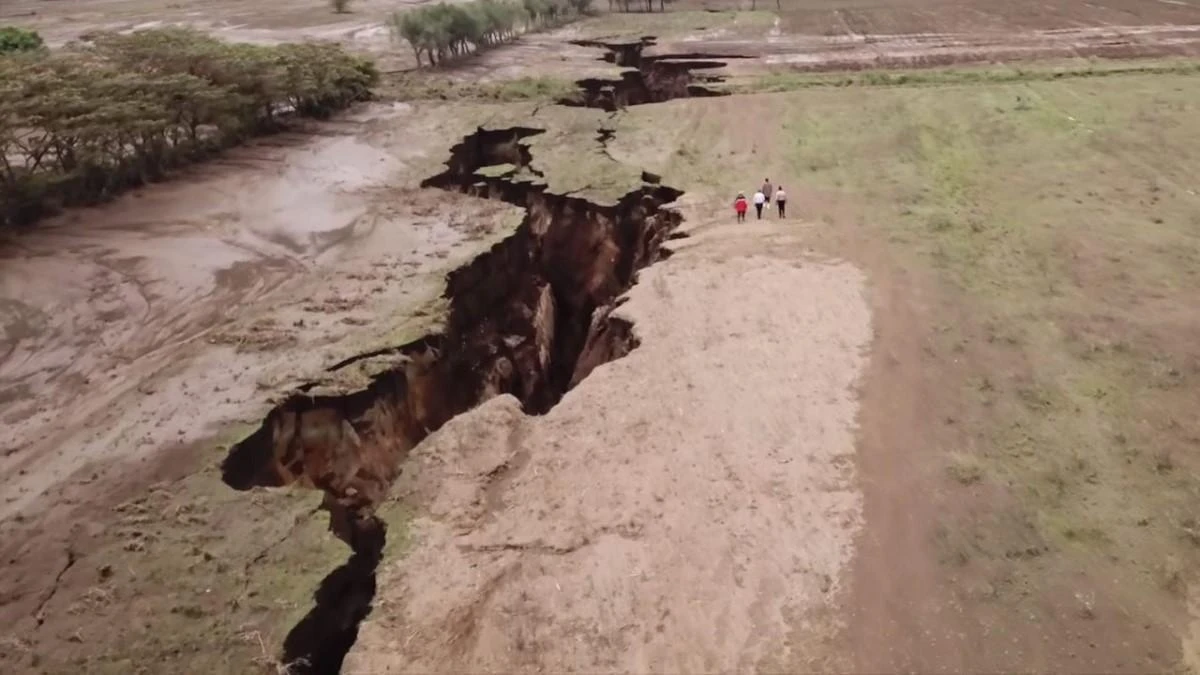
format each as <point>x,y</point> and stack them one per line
<point>686,528</point>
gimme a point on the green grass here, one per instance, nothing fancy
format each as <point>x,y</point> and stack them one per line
<point>424,86</point>
<point>1059,210</point>
<point>1052,221</point>
<point>1061,216</point>
<point>980,75</point>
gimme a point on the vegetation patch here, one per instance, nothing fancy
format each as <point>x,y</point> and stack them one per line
<point>13,39</point>
<point>80,125</point>
<point>1059,217</point>
<point>443,31</point>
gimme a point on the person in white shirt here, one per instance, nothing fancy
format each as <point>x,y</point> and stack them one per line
<point>759,200</point>
<point>781,201</point>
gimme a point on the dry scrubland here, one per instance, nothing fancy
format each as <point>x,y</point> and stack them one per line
<point>1027,444</point>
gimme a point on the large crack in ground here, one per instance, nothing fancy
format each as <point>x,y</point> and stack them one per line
<point>650,79</point>
<point>530,317</point>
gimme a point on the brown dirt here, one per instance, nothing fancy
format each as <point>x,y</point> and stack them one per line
<point>814,35</point>
<point>133,294</point>
<point>687,528</point>
<point>715,520</point>
<point>840,17</point>
<point>950,575</point>
<point>173,313</point>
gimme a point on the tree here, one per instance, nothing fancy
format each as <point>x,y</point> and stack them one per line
<point>83,123</point>
<point>445,31</point>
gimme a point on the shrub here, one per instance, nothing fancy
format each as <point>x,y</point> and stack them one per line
<point>80,125</point>
<point>13,39</point>
<point>340,6</point>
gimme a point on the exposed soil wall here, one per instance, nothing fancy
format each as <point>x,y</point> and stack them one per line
<point>652,79</point>
<point>530,317</point>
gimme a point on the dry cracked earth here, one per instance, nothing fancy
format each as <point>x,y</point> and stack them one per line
<point>473,386</point>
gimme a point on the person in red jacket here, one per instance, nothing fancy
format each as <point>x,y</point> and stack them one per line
<point>740,205</point>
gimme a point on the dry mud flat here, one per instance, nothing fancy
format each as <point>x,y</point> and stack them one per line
<point>172,271</point>
<point>141,334</point>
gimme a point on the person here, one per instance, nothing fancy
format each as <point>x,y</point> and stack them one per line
<point>759,200</point>
<point>766,190</point>
<point>739,205</point>
<point>781,201</point>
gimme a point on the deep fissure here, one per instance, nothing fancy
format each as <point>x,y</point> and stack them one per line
<point>649,78</point>
<point>529,317</point>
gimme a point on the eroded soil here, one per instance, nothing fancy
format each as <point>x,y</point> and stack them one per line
<point>134,344</point>
<point>654,532</point>
<point>529,318</point>
<point>737,492</point>
<point>805,34</point>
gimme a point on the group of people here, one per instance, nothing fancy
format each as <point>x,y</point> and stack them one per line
<point>762,198</point>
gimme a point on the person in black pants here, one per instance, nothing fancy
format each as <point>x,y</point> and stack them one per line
<point>781,202</point>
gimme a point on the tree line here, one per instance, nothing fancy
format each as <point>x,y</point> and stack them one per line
<point>444,31</point>
<point>80,124</point>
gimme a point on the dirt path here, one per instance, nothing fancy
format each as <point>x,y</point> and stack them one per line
<point>703,507</point>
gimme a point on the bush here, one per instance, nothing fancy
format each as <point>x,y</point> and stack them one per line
<point>340,6</point>
<point>443,31</point>
<point>80,125</point>
<point>13,39</point>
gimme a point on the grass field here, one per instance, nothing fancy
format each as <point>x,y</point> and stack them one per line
<point>1053,227</point>
<point>1063,216</point>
